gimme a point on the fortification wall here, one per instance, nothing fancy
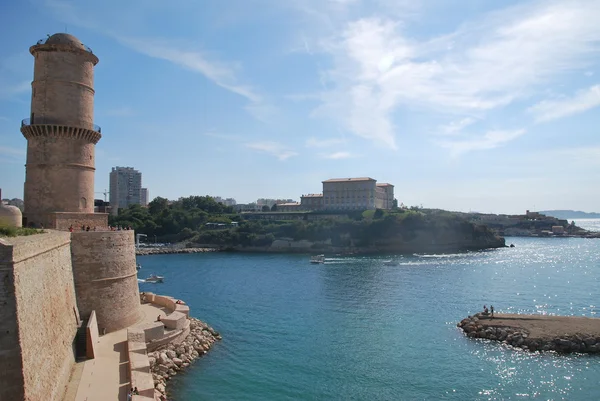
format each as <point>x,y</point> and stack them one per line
<point>46,315</point>
<point>106,278</point>
<point>11,374</point>
<point>62,221</point>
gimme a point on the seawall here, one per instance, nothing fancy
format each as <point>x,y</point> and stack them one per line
<point>537,332</point>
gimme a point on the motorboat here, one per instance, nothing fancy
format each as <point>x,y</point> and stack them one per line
<point>317,259</point>
<point>154,279</point>
<point>390,263</point>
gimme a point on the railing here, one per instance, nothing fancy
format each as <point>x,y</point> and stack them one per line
<point>43,42</point>
<point>41,121</point>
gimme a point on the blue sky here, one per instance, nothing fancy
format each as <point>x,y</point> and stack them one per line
<point>462,105</point>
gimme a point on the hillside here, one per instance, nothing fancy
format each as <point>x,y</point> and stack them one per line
<point>570,214</point>
<point>198,221</point>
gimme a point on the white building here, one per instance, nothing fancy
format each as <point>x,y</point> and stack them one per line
<point>125,188</point>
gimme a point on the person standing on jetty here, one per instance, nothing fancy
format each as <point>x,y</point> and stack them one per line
<point>492,310</point>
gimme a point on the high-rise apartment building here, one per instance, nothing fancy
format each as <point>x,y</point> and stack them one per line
<point>125,188</point>
<point>145,195</point>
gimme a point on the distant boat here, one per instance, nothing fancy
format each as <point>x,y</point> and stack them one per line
<point>154,279</point>
<point>138,266</point>
<point>317,259</point>
<point>390,263</point>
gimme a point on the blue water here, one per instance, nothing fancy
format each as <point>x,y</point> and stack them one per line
<point>354,329</point>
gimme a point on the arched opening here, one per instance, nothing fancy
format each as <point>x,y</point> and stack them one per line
<point>82,203</point>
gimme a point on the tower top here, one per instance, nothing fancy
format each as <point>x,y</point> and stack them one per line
<point>64,42</point>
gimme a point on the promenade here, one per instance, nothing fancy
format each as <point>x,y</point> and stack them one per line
<point>105,377</point>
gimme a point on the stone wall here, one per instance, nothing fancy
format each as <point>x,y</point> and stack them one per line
<point>62,221</point>
<point>59,176</point>
<point>43,308</point>
<point>106,277</point>
<point>11,374</point>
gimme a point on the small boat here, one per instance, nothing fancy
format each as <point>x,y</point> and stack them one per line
<point>390,263</point>
<point>138,266</point>
<point>154,279</point>
<point>317,259</point>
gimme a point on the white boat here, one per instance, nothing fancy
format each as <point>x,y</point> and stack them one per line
<point>390,263</point>
<point>138,266</point>
<point>317,259</point>
<point>154,279</point>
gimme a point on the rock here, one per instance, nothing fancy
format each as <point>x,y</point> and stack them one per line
<point>160,387</point>
<point>177,361</point>
<point>163,358</point>
<point>152,361</point>
<point>171,354</point>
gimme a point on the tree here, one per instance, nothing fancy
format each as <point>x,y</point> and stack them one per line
<point>265,208</point>
<point>157,205</point>
<point>274,207</point>
<point>395,204</point>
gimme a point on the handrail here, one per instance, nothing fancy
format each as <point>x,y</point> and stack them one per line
<point>40,121</point>
<point>44,40</point>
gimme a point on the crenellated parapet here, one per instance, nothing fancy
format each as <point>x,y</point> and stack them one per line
<point>31,131</point>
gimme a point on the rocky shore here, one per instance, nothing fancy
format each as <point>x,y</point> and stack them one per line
<point>167,250</point>
<point>171,359</point>
<point>565,334</point>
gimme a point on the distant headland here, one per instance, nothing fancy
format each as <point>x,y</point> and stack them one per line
<point>571,214</point>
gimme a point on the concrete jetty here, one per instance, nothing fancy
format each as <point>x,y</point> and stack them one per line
<point>537,332</point>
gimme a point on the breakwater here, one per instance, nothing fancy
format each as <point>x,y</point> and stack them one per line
<point>170,359</point>
<point>565,334</point>
<point>168,250</point>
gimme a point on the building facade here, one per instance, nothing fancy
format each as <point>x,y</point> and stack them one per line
<point>349,193</point>
<point>312,201</point>
<point>145,197</point>
<point>385,196</point>
<point>362,193</point>
<point>125,188</point>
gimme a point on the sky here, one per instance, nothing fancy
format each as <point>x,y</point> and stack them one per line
<point>463,105</point>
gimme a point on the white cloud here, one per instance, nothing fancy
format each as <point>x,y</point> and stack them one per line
<point>273,148</point>
<point>337,155</point>
<point>313,142</point>
<point>457,126</point>
<point>507,55</point>
<point>220,73</point>
<point>489,140</point>
<point>582,101</point>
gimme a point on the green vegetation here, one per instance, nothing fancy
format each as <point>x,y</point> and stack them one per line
<point>10,231</point>
<point>189,220</point>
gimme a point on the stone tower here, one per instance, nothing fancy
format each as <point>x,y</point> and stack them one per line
<point>61,135</point>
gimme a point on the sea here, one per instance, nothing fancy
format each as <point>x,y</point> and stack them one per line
<point>356,329</point>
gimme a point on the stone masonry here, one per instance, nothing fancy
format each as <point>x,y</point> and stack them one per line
<point>61,135</point>
<point>38,317</point>
<point>105,277</point>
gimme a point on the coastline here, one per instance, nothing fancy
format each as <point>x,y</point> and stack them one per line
<point>565,334</point>
<point>168,250</point>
